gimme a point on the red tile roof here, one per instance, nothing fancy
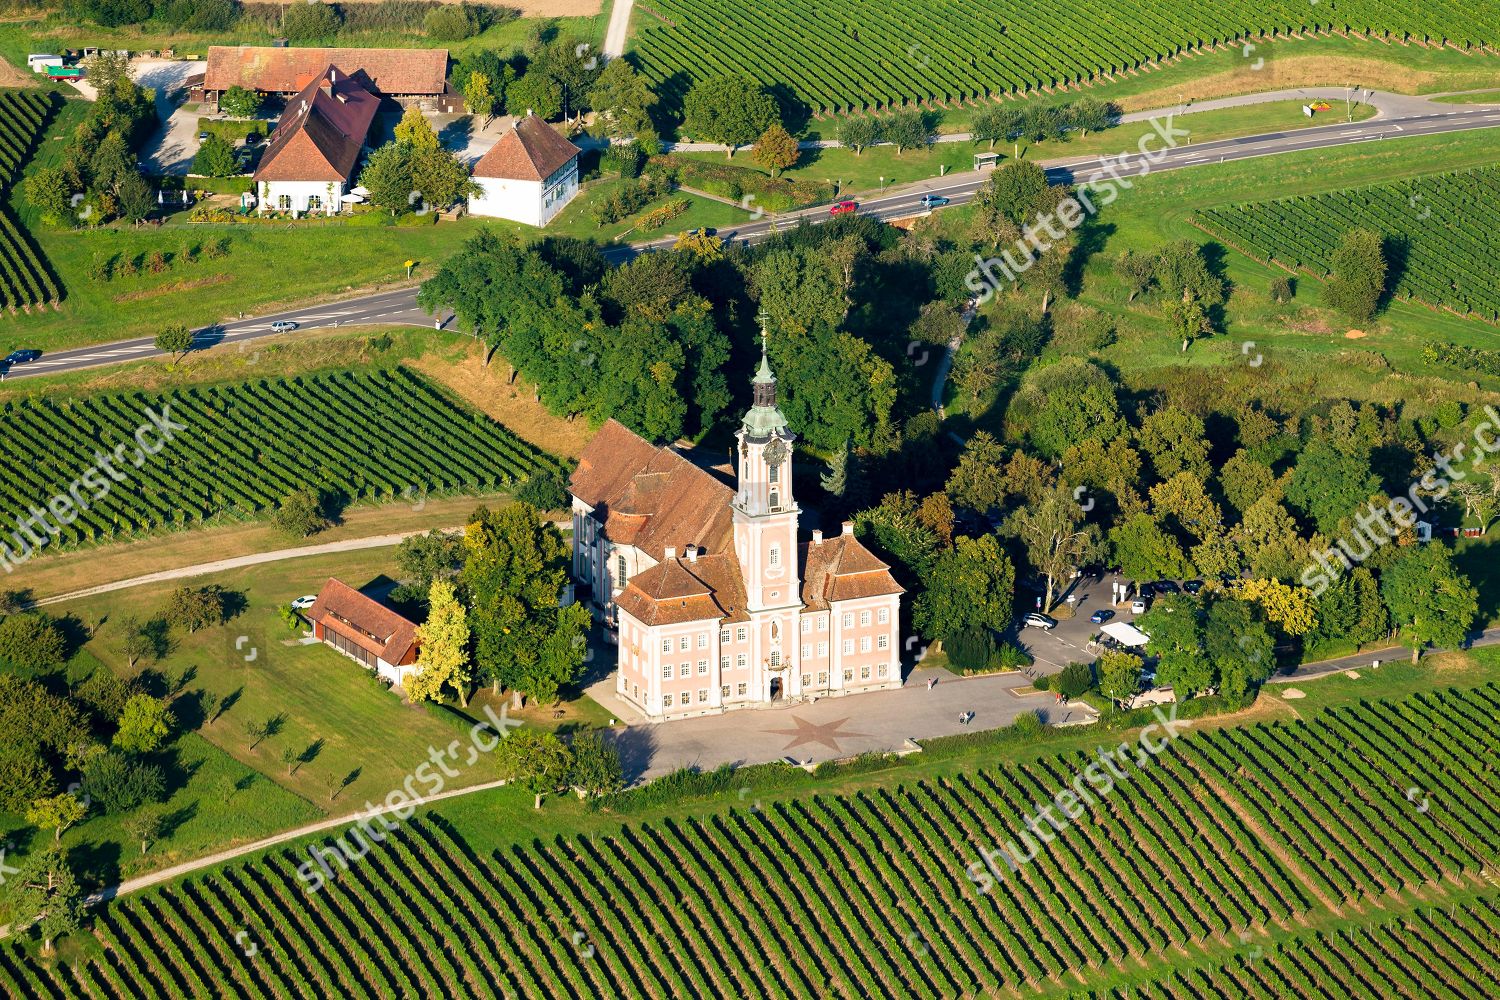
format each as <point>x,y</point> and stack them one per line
<point>532,151</point>
<point>365,622</point>
<point>651,497</point>
<point>392,72</point>
<point>321,132</point>
<point>687,590</point>
<point>842,569</point>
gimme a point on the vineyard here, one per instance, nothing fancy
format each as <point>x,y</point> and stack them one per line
<point>1440,232</point>
<point>1227,840</point>
<point>25,278</point>
<point>890,54</point>
<point>365,436</point>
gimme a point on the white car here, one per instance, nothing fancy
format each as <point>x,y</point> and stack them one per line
<point>303,603</point>
<point>283,326</point>
<point>1038,620</point>
<point>1138,607</point>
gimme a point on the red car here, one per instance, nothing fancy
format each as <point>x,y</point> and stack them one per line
<point>842,207</point>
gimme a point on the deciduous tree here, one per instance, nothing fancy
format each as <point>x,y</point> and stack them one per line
<point>1358,279</point>
<point>1430,601</point>
<point>775,150</point>
<point>729,109</point>
<point>443,650</point>
<point>144,725</point>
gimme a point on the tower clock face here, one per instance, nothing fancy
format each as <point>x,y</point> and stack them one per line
<point>775,452</point>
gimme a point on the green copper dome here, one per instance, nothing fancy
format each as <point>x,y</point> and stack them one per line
<point>765,417</point>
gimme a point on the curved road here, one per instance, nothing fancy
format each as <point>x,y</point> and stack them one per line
<point>1411,117</point>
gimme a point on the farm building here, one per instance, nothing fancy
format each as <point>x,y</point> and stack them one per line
<point>528,176</point>
<point>365,631</point>
<point>313,153</point>
<point>405,76</point>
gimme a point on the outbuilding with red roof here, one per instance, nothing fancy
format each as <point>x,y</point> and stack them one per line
<point>528,176</point>
<point>366,631</point>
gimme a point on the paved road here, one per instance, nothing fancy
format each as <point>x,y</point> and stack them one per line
<point>398,305</point>
<point>619,24</point>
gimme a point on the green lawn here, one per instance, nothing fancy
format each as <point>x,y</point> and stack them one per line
<point>1482,97</point>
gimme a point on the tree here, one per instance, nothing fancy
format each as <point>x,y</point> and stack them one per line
<point>858,132</point>
<point>118,783</point>
<point>479,96</point>
<point>1145,552</point>
<point>1481,499</point>
<point>135,640</point>
<point>1013,191</point>
<point>175,340</point>
<point>1351,609</point>
<point>906,130</point>
<point>1177,442</point>
<point>1067,403</point>
<point>1073,680</point>
<point>49,191</point>
<point>538,759</point>
<point>1358,279</point>
<point>1239,647</point>
<point>535,93</point>
<point>443,648</point>
<point>1431,602</point>
<point>1329,483</point>
<point>775,149</point>
<point>1289,607</point>
<point>1119,675</point>
<point>387,175</point>
<point>32,640</point>
<point>414,131</point>
<point>1058,540</point>
<point>1136,271</point>
<point>56,813</point>
<point>730,108</point>
<point>423,559</point>
<point>623,100</point>
<point>300,513</point>
<point>595,766</point>
<point>440,177</point>
<point>971,585</point>
<point>195,608</point>
<point>46,896</point>
<point>146,825</point>
<point>237,102</point>
<point>1174,624</point>
<point>1187,317</point>
<point>451,23</point>
<point>144,725</point>
<point>993,123</point>
<point>215,158</point>
<point>1089,114</point>
<point>515,569</point>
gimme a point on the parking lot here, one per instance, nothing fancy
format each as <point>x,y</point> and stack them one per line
<point>1068,642</point>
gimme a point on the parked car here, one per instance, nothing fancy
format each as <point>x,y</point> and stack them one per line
<point>202,136</point>
<point>1138,606</point>
<point>305,602</point>
<point>20,357</point>
<point>283,326</point>
<point>934,200</point>
<point>1038,620</point>
<point>703,231</point>
<point>1193,586</point>
<point>1167,587</point>
<point>1101,616</point>
<point>844,206</point>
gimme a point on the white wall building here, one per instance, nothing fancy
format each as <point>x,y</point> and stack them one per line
<point>528,176</point>
<point>311,157</point>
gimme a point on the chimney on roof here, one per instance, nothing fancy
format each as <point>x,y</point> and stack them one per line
<point>671,552</point>
<point>333,75</point>
<point>848,527</point>
<point>817,536</point>
<point>692,553</point>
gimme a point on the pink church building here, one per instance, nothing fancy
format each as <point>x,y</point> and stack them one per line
<point>715,602</point>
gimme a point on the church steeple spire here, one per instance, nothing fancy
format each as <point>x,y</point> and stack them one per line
<point>765,418</point>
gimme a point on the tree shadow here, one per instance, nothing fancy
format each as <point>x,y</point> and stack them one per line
<point>96,862</point>
<point>1396,248</point>
<point>226,703</point>
<point>457,133</point>
<point>310,753</point>
<point>636,746</point>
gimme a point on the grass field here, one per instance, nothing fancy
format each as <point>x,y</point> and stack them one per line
<point>864,173</point>
<point>1188,868</point>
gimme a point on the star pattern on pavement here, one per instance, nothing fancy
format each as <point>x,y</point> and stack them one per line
<point>827,733</point>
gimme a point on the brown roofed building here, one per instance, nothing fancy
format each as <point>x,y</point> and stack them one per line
<point>407,76</point>
<point>528,176</point>
<point>311,157</point>
<point>365,630</point>
<point>714,603</point>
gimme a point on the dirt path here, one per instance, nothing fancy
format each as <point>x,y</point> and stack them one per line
<point>619,27</point>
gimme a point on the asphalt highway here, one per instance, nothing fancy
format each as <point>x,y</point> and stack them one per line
<point>398,306</point>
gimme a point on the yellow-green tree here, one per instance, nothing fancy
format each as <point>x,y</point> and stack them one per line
<point>1290,607</point>
<point>415,131</point>
<point>443,654</point>
<point>479,96</point>
<point>56,813</point>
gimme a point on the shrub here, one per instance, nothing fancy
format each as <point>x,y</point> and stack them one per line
<point>1281,289</point>
<point>1074,680</point>
<point>105,692</point>
<point>1012,657</point>
<point>1027,725</point>
<point>543,490</point>
<point>972,650</point>
<point>308,22</point>
<point>451,23</point>
<point>32,641</point>
<point>663,214</point>
<point>1043,682</point>
<point>301,513</point>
